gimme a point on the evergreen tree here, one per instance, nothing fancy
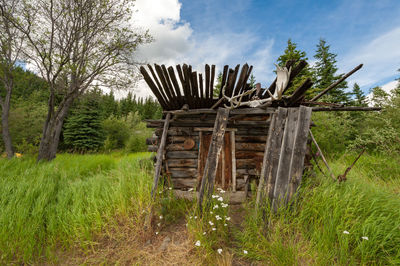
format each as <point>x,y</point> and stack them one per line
<point>217,87</point>
<point>359,96</point>
<point>292,53</point>
<point>380,98</point>
<point>325,74</point>
<point>83,129</point>
<point>252,81</point>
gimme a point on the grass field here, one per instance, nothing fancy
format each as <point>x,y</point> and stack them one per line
<point>48,209</point>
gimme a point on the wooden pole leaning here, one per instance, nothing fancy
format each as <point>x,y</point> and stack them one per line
<point>160,154</point>
<point>210,168</point>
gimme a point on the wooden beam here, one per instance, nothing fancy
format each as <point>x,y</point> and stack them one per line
<point>160,155</point>
<point>233,150</point>
<point>299,150</point>
<point>333,85</point>
<point>346,108</point>
<point>322,155</point>
<point>210,168</point>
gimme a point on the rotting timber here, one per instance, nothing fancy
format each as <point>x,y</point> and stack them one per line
<point>229,137</point>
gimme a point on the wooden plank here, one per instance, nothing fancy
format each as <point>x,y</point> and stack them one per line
<point>208,76</point>
<point>188,87</point>
<point>195,89</point>
<point>299,93</point>
<point>176,85</point>
<point>224,77</point>
<point>251,139</point>
<point>205,141</point>
<point>165,87</point>
<point>153,88</point>
<point>282,176</point>
<point>241,80</point>
<point>160,155</point>
<point>299,150</point>
<point>207,183</point>
<point>249,154</point>
<point>191,163</point>
<point>233,156</point>
<point>181,155</point>
<point>245,146</point>
<point>212,83</point>
<point>183,172</point>
<point>179,147</point>
<point>272,152</point>
<point>184,183</point>
<point>227,162</point>
<point>202,98</point>
<point>249,163</point>
<point>246,111</point>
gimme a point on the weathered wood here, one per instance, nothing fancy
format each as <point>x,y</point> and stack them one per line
<point>195,89</point>
<point>282,177</point>
<point>249,163</point>
<point>224,77</point>
<point>249,154</point>
<point>181,155</point>
<point>333,85</point>
<point>299,150</point>
<point>188,87</point>
<point>244,146</point>
<point>300,91</point>
<point>241,79</point>
<point>165,87</point>
<point>207,183</point>
<point>184,183</point>
<point>233,156</point>
<point>153,88</point>
<point>322,155</point>
<point>178,131</point>
<point>271,162</point>
<point>207,69</point>
<point>160,155</point>
<point>251,139</point>
<point>295,71</point>
<point>211,129</point>
<point>202,98</point>
<point>183,172</point>
<point>176,85</point>
<point>190,163</point>
<point>227,161</point>
<point>346,108</point>
<point>246,111</point>
<point>212,83</point>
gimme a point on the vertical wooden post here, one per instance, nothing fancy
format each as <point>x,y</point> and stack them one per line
<point>210,168</point>
<point>160,154</point>
<point>233,150</point>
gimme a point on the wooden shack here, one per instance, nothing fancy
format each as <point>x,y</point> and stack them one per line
<point>228,137</point>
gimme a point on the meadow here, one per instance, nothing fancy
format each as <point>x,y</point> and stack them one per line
<point>50,209</point>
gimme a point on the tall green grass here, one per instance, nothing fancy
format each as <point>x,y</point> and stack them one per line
<point>59,204</point>
<point>311,231</point>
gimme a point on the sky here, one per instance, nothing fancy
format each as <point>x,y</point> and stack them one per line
<point>235,32</point>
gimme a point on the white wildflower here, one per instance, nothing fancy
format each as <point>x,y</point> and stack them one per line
<point>218,217</point>
<point>219,250</point>
<point>346,232</point>
<point>195,217</point>
<point>161,217</point>
<point>156,233</point>
<point>214,196</point>
<point>159,224</point>
<point>187,224</point>
<point>170,188</point>
<point>228,218</point>
<point>190,189</point>
<point>159,192</point>
<point>222,191</point>
<point>211,223</point>
<point>219,189</point>
<point>211,212</point>
<point>245,251</point>
<point>214,228</point>
<point>215,207</point>
<point>204,233</point>
<point>190,217</point>
<point>197,243</point>
<point>223,205</point>
<point>220,199</point>
<point>225,225</point>
<point>365,237</point>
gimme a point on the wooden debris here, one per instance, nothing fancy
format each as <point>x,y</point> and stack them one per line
<point>322,155</point>
<point>343,177</point>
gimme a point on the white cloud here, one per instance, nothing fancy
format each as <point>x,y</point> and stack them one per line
<point>380,56</point>
<point>176,43</point>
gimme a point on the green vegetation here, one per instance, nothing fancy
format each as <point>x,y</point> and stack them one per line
<point>65,202</point>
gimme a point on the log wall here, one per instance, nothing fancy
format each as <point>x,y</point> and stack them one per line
<point>181,164</point>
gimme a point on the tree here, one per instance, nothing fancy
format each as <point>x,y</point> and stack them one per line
<point>292,53</point>
<point>252,81</point>
<point>74,45</point>
<point>380,97</point>
<point>325,74</point>
<point>11,42</point>
<point>359,96</point>
<point>83,130</point>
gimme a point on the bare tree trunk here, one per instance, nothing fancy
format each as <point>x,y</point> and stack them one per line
<point>4,122</point>
<point>51,132</point>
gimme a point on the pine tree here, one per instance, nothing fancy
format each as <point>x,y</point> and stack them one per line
<point>359,96</point>
<point>83,129</point>
<point>380,97</point>
<point>217,87</point>
<point>325,74</point>
<point>292,53</point>
<point>252,81</point>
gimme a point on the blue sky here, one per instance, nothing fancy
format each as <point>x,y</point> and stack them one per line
<point>238,31</point>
